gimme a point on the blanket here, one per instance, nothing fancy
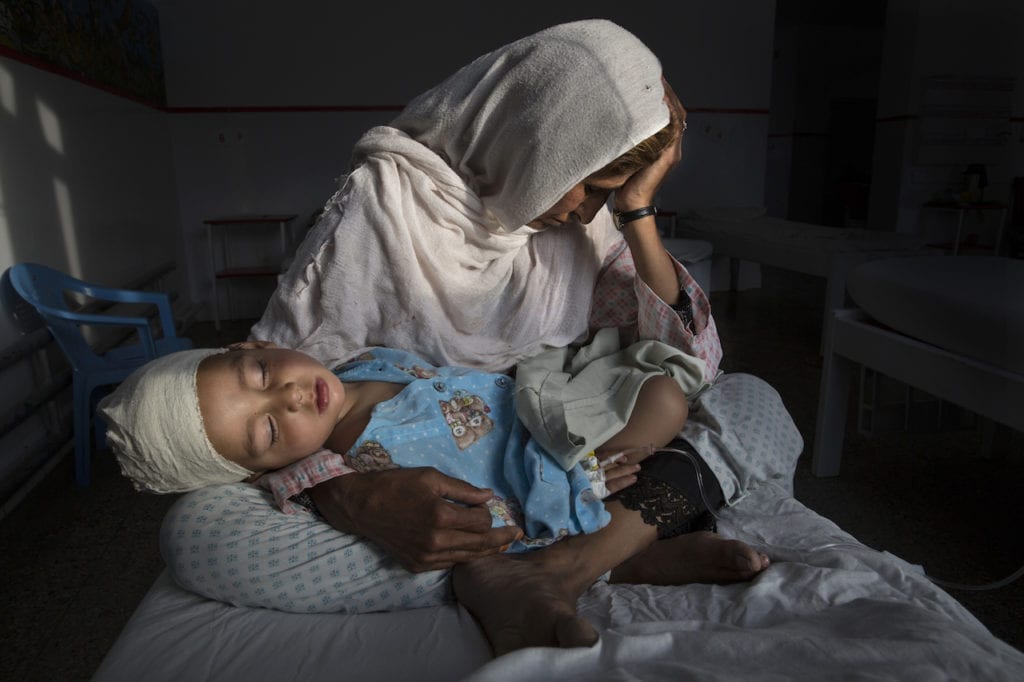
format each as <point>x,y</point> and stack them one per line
<point>827,608</point>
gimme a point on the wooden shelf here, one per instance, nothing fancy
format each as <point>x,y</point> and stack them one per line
<point>223,269</point>
<point>962,243</point>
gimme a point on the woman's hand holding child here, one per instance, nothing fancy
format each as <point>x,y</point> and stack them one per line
<point>423,518</point>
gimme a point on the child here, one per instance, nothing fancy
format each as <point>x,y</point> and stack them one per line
<point>210,416</point>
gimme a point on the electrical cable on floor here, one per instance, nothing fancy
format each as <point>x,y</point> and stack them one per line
<point>979,588</point>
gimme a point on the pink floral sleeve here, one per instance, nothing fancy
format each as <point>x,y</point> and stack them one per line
<point>302,475</point>
<point>622,299</point>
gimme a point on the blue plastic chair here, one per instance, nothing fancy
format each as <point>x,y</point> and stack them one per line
<point>44,288</point>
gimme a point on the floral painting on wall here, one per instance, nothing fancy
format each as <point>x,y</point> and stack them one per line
<point>114,44</point>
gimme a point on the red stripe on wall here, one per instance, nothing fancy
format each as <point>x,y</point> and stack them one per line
<point>718,110</point>
<point>914,117</point>
<point>287,109</point>
<point>379,107</point>
<point>799,134</point>
<point>45,66</point>
<point>244,109</point>
<point>902,117</point>
<point>84,80</point>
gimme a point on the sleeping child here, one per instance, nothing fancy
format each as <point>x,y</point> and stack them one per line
<point>283,420</point>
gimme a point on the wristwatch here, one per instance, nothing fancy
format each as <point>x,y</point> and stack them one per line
<point>629,216</point>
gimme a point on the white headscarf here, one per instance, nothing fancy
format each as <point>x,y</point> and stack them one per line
<point>425,246</point>
<point>155,428</point>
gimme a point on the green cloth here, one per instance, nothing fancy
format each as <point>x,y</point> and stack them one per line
<point>574,399</point>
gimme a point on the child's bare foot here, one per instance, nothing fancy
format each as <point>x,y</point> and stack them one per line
<point>700,557</point>
<point>519,602</point>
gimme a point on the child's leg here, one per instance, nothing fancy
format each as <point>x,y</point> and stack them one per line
<point>668,498</point>
<point>529,599</point>
<point>658,416</point>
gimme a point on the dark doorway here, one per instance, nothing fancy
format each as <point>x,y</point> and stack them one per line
<point>847,177</point>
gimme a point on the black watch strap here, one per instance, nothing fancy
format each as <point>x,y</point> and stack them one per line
<point>629,216</point>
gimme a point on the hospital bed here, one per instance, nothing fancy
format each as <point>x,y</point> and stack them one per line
<point>747,234</point>
<point>828,607</point>
<point>950,326</point>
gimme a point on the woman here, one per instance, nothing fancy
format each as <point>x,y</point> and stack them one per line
<point>460,233</point>
<point>474,231</point>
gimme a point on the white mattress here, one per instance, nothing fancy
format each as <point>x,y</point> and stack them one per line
<point>818,612</point>
<point>971,305</point>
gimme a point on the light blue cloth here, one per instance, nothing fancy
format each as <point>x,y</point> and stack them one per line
<point>463,422</point>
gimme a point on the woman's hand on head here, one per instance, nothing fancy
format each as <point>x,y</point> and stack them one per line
<point>641,188</point>
<point>421,517</point>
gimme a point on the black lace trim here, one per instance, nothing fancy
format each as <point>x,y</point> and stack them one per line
<point>663,506</point>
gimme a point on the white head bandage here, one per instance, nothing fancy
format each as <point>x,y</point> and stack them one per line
<point>156,429</point>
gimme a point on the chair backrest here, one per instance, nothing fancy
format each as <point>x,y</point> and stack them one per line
<point>46,288</point>
<point>20,313</point>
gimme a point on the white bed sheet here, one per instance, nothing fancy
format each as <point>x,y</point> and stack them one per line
<point>817,613</point>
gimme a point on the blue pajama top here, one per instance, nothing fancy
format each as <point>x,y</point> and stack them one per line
<point>463,422</point>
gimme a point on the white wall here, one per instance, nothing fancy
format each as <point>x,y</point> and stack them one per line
<point>717,55</point>
<point>105,188</point>
<point>87,187</point>
<point>86,183</point>
<point>230,52</point>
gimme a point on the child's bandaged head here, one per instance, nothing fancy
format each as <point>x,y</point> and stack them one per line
<point>155,428</point>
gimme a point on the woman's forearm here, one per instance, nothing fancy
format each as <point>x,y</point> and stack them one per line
<point>653,263</point>
<point>332,497</point>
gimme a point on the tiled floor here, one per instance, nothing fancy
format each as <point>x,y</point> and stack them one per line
<point>74,563</point>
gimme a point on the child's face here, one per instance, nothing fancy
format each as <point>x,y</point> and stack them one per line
<point>266,407</point>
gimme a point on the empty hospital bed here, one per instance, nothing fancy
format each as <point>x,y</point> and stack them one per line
<point>829,252</point>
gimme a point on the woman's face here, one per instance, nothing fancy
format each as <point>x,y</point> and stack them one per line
<point>581,203</point>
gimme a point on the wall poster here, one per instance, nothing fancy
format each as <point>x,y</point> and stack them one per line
<point>113,44</point>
